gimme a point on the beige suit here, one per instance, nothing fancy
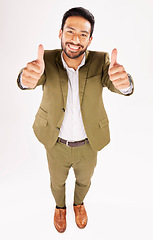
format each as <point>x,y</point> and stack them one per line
<point>93,76</point>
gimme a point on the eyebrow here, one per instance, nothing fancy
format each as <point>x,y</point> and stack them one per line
<point>74,29</point>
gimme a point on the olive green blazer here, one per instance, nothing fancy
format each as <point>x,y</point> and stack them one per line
<point>93,76</point>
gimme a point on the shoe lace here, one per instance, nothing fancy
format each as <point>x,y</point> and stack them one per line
<point>61,213</point>
<point>81,210</point>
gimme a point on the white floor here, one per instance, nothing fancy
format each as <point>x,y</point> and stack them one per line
<point>116,209</point>
<point>32,218</point>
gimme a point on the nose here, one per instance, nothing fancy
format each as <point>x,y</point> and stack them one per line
<point>75,39</point>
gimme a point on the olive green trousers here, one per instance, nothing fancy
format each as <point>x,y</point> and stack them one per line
<point>61,158</point>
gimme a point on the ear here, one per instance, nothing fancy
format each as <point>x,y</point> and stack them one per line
<point>90,40</point>
<point>60,33</point>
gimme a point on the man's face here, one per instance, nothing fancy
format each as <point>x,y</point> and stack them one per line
<point>75,37</point>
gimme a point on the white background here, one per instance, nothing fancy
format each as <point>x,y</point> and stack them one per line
<point>119,203</point>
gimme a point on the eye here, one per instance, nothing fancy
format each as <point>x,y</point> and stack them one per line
<point>69,31</point>
<point>84,35</point>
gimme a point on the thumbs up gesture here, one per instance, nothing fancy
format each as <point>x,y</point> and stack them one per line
<point>117,73</point>
<point>33,71</point>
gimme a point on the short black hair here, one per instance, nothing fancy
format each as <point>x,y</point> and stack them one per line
<point>81,12</point>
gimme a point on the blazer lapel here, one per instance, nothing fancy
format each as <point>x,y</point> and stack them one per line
<point>63,77</point>
<point>83,76</point>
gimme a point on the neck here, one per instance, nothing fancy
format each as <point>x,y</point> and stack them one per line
<point>73,63</point>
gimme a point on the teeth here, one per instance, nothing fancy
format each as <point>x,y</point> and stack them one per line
<point>74,47</point>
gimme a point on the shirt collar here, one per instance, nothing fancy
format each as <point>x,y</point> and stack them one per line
<point>66,66</point>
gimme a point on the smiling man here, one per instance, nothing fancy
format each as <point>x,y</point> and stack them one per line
<point>71,121</point>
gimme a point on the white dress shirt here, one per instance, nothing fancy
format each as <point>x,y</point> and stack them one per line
<point>72,128</point>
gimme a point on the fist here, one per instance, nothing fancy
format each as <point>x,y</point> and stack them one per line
<point>34,70</point>
<point>117,73</point>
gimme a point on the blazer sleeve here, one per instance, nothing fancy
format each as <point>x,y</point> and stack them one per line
<point>105,77</point>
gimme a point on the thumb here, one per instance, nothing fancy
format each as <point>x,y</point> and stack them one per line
<point>113,58</point>
<point>40,53</point>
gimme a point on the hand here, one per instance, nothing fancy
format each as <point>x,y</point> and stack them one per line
<point>117,73</point>
<point>33,71</point>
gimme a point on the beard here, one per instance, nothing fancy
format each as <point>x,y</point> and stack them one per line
<point>73,55</point>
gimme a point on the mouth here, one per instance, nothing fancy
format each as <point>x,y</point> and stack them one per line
<point>74,48</point>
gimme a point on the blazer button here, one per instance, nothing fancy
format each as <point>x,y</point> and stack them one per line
<point>63,110</point>
<point>58,128</point>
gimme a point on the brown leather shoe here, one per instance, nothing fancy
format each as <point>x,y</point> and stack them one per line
<point>80,216</point>
<point>60,220</point>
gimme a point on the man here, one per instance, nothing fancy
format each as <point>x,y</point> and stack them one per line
<point>71,121</point>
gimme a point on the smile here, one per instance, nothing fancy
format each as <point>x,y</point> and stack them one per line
<point>73,47</point>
